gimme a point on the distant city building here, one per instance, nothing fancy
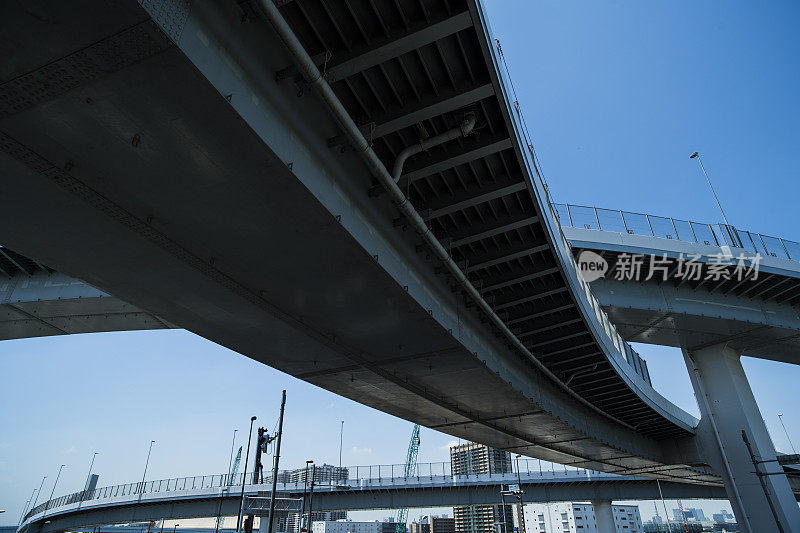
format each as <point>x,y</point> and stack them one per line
<point>690,513</point>
<point>471,459</point>
<point>290,522</point>
<point>442,524</point>
<point>417,527</point>
<point>433,524</point>
<point>347,526</point>
<point>577,518</point>
<point>674,527</point>
<point>390,525</point>
<point>723,517</point>
<point>323,475</point>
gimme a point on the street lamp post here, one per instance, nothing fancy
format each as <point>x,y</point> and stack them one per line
<point>91,465</point>
<point>341,434</point>
<point>47,505</point>
<point>303,501</point>
<point>38,493</point>
<point>85,495</point>
<point>25,509</point>
<point>230,462</point>
<point>697,155</point>
<point>311,494</point>
<point>244,476</point>
<point>174,527</point>
<point>780,417</point>
<point>147,462</point>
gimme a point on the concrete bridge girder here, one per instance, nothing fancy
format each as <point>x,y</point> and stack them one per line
<point>666,315</point>
<point>53,303</point>
<point>219,77</point>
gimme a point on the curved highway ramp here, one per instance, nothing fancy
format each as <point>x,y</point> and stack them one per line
<point>345,192</point>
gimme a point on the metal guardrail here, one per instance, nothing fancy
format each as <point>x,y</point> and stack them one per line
<point>579,216</point>
<point>349,477</point>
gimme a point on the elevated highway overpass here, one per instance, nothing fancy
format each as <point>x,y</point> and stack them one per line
<point>346,193</point>
<point>758,317</point>
<point>36,301</point>
<point>367,488</point>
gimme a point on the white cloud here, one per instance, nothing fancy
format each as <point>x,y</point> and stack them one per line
<point>449,445</point>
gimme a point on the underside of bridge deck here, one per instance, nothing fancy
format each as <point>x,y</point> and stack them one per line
<point>755,314</point>
<point>170,155</point>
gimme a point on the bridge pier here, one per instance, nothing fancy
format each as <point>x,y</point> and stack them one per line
<point>604,516</point>
<point>759,493</point>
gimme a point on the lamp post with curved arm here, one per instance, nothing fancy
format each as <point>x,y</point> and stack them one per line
<point>703,168</point>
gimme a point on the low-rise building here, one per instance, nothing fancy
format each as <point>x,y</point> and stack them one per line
<point>577,517</point>
<point>348,526</point>
<point>433,524</point>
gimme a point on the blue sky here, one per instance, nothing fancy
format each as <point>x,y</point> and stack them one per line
<point>617,95</point>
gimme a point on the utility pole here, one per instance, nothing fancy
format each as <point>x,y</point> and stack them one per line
<point>277,461</point>
<point>244,476</point>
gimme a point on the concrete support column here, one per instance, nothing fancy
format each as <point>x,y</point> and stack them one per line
<point>604,516</point>
<point>761,503</point>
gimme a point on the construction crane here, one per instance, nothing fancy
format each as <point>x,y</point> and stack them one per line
<point>683,517</point>
<point>232,475</point>
<point>235,466</point>
<point>410,467</point>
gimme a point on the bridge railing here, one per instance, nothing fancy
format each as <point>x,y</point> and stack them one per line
<point>326,476</point>
<point>580,216</point>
